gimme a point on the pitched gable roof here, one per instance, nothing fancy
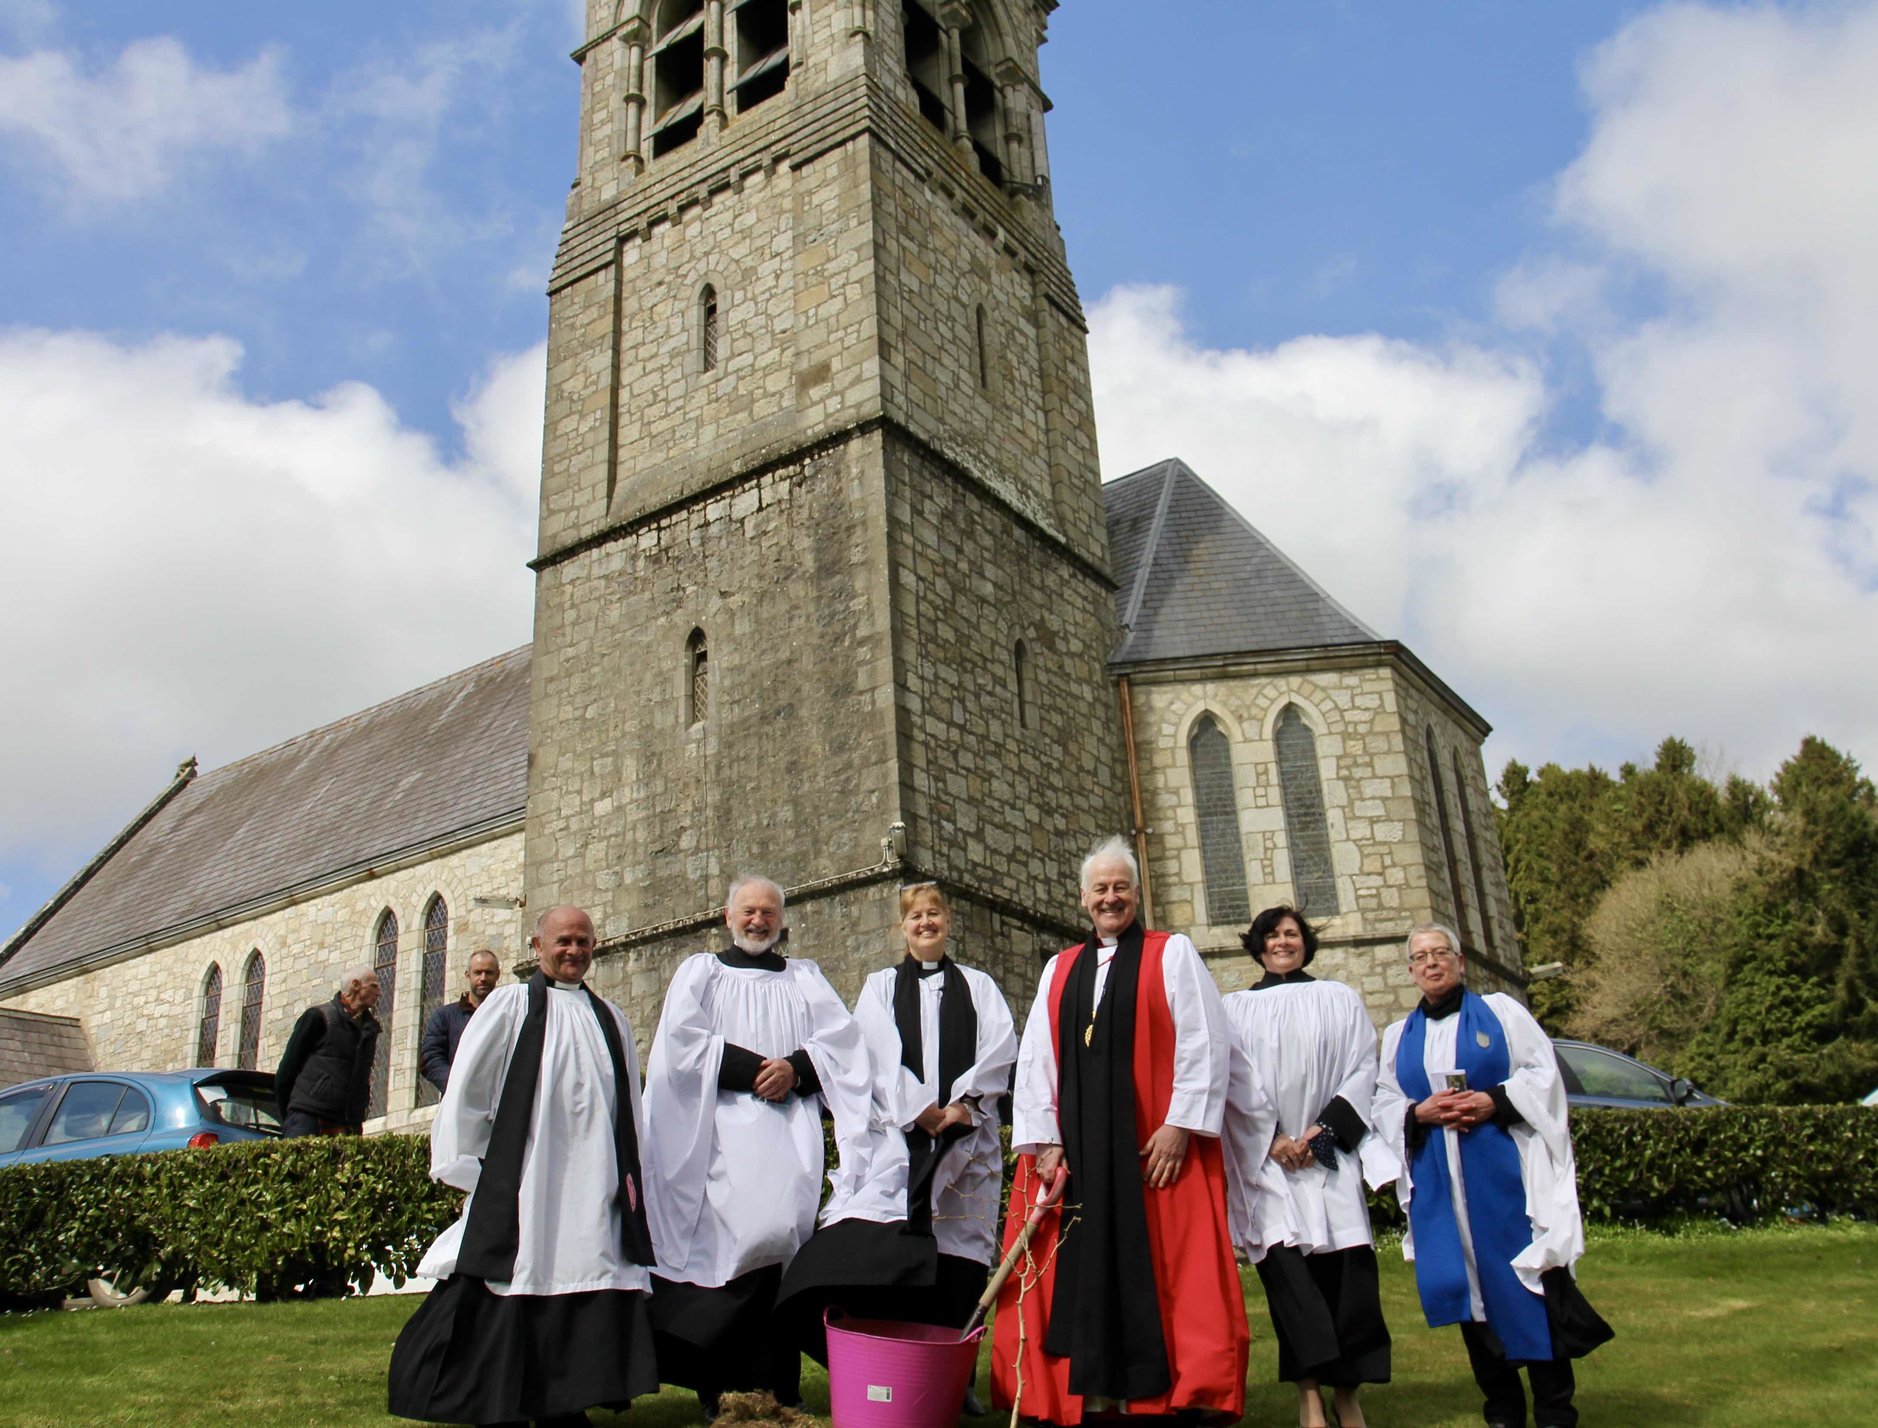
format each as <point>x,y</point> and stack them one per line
<point>439,762</point>
<point>33,1044</point>
<point>1196,579</point>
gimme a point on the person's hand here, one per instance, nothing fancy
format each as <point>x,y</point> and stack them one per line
<point>1294,1154</point>
<point>932,1120</point>
<point>1472,1108</point>
<point>1050,1164</point>
<point>1162,1157</point>
<point>1438,1109</point>
<point>775,1079</point>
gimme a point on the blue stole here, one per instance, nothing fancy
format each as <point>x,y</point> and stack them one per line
<point>1496,1194</point>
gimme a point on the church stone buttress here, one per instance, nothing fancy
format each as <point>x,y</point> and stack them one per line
<point>822,583</point>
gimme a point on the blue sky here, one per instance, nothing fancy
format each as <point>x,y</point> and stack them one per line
<point>1543,335</point>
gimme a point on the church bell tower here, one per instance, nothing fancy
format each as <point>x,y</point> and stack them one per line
<point>822,581</point>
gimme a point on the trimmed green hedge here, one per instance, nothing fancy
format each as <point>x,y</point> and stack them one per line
<point>262,1216</point>
<point>268,1216</point>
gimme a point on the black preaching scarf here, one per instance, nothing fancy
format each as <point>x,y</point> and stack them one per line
<point>958,1049</point>
<point>1106,1316</point>
<point>494,1229</point>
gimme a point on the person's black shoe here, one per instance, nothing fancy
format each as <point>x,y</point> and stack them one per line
<point>973,1408</point>
<point>565,1420</point>
<point>707,1404</point>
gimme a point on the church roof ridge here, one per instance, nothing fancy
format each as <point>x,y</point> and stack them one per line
<point>445,763</point>
<point>1196,579</point>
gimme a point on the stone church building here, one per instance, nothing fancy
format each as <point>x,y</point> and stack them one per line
<point>828,587</point>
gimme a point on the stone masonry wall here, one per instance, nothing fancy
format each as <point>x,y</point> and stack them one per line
<point>144,1014</point>
<point>641,816</point>
<point>1375,807</point>
<point>993,800</point>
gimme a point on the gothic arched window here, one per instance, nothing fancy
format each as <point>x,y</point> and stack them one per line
<point>253,989</point>
<point>1473,852</point>
<point>1447,834</point>
<point>1307,829</point>
<point>1020,682</point>
<point>759,52</point>
<point>210,1026</point>
<point>708,321</point>
<point>436,969</point>
<point>981,105</point>
<point>926,63</point>
<point>385,963</point>
<point>677,84</point>
<point>1216,809</point>
<point>697,679</point>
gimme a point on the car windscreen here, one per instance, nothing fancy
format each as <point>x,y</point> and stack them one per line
<point>1603,1073</point>
<point>249,1106</point>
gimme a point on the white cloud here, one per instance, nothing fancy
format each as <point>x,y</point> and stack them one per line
<point>124,133</point>
<point>1708,569</point>
<point>185,569</point>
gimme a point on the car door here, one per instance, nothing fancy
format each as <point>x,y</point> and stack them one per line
<point>94,1116</point>
<point>1607,1078</point>
<point>21,1109</point>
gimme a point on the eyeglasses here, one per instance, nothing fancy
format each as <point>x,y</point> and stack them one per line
<point>1423,958</point>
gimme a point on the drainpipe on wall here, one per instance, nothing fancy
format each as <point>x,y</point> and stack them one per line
<point>1134,804</point>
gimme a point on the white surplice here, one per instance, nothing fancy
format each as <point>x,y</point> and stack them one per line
<point>967,1181</point>
<point>1202,1054</point>
<point>733,1181</point>
<point>1546,1165</point>
<point>570,1225</point>
<point>1307,1043</point>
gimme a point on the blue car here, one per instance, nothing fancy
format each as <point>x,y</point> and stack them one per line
<point>127,1112</point>
<point>1598,1076</point>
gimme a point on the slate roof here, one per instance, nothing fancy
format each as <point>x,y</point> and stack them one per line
<point>443,760</point>
<point>33,1044</point>
<point>1195,579</point>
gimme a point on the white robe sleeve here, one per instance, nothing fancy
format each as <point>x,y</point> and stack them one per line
<point>1356,1041</point>
<point>1388,1112</point>
<point>680,1107</point>
<point>1251,1119</point>
<point>459,1135</point>
<point>899,1094</point>
<point>1537,1091</point>
<point>841,1060</point>
<point>1033,1098</point>
<point>1202,1059</point>
<point>988,1077</point>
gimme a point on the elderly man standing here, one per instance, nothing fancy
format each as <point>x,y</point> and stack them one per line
<point>437,1051</point>
<point>1132,1304</point>
<point>750,1047</point>
<point>1470,1098</point>
<point>324,1079</point>
<point>541,1312</point>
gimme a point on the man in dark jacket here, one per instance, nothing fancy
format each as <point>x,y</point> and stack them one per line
<point>437,1051</point>
<point>325,1074</point>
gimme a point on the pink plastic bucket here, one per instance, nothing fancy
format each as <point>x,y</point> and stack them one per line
<point>885,1374</point>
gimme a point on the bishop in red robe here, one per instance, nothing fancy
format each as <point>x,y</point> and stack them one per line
<point>1129,1298</point>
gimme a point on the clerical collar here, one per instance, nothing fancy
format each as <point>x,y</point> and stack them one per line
<point>928,969</point>
<point>564,986</point>
<point>1446,1006</point>
<point>770,961</point>
<point>1282,979</point>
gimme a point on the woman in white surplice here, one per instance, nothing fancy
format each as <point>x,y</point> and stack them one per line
<point>1298,1208</point>
<point>914,1240</point>
<point>750,1047</point>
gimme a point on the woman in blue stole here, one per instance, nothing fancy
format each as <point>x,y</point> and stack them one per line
<point>1470,1097</point>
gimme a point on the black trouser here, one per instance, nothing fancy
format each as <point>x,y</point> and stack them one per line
<point>1552,1383</point>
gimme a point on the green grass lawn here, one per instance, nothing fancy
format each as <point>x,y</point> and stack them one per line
<point>1713,1328</point>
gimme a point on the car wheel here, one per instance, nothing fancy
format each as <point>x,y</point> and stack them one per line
<point>115,1291</point>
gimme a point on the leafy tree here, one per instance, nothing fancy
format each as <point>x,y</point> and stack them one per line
<point>1748,965</point>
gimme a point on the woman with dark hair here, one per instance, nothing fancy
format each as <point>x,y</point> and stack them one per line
<point>1298,1208</point>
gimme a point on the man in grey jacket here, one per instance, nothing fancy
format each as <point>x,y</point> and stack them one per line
<point>325,1074</point>
<point>437,1051</point>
